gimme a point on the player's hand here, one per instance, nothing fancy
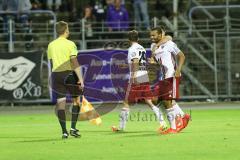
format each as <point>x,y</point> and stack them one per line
<point>165,39</point>
<point>177,73</point>
<point>81,86</point>
<point>151,60</point>
<point>123,66</point>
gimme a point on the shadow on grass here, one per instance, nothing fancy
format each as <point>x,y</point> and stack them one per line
<point>30,139</point>
<point>142,135</point>
<point>109,132</point>
<point>41,140</point>
<point>7,137</point>
<point>130,133</point>
<point>151,134</point>
<point>154,134</point>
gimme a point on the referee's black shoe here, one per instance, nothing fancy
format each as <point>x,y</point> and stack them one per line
<point>74,133</point>
<point>64,135</point>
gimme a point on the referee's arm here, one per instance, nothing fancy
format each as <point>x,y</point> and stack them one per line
<point>77,69</point>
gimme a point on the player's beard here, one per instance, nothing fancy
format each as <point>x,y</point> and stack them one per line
<point>157,39</point>
<point>154,40</point>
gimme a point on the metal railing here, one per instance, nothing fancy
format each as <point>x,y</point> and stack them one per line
<point>221,37</point>
<point>11,23</point>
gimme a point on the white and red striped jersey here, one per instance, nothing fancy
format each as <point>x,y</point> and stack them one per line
<point>165,54</point>
<point>137,51</point>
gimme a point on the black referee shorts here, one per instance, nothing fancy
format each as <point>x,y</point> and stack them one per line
<point>64,83</point>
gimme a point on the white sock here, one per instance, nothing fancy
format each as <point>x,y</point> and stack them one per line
<point>178,110</point>
<point>159,114</point>
<point>171,117</point>
<point>123,118</point>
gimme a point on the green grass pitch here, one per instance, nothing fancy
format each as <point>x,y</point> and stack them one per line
<point>213,134</point>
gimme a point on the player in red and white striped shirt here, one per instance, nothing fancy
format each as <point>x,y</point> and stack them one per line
<point>171,60</point>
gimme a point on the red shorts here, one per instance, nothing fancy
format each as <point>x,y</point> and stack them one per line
<point>137,92</point>
<point>168,89</point>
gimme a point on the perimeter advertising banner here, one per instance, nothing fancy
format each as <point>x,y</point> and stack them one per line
<point>106,74</point>
<point>20,76</point>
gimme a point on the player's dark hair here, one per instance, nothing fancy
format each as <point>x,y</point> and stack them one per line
<point>61,27</point>
<point>159,29</point>
<point>133,36</point>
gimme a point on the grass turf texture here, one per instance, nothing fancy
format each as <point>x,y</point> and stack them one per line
<point>212,134</point>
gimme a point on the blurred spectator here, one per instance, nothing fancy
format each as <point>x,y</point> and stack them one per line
<point>9,5</point>
<point>141,12</point>
<point>54,4</point>
<point>88,19</point>
<point>21,15</point>
<point>110,2</point>
<point>25,22</point>
<point>117,17</point>
<point>18,6</point>
<point>39,4</point>
<point>24,6</point>
<point>36,5</point>
<point>99,9</point>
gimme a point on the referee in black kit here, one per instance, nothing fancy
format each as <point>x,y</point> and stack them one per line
<point>62,54</point>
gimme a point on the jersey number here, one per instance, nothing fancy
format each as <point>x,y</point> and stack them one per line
<point>142,60</point>
<point>142,55</point>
